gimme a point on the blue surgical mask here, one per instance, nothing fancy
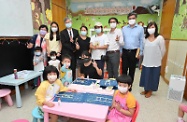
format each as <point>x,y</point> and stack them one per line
<point>83,33</point>
<point>37,53</point>
<point>68,25</point>
<point>98,30</point>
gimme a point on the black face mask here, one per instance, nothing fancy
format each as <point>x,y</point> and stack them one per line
<point>86,60</point>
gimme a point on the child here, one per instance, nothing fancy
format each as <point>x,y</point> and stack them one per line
<point>89,68</point>
<point>182,109</point>
<point>38,63</point>
<point>66,73</point>
<point>48,88</point>
<point>124,103</point>
<point>55,62</point>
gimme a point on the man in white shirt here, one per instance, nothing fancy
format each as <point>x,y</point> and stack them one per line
<point>98,46</point>
<point>113,52</point>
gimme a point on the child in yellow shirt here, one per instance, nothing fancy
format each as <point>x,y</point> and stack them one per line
<point>48,88</point>
<point>124,103</point>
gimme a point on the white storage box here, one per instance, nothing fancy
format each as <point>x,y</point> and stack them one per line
<point>176,87</point>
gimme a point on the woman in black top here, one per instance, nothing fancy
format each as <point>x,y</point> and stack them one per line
<point>89,68</point>
<point>83,41</point>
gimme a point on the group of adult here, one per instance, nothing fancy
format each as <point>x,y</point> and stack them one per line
<point>117,43</point>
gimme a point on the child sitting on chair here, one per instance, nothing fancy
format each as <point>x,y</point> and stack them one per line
<point>48,88</point>
<point>182,110</point>
<point>66,72</point>
<point>124,103</point>
<point>55,62</point>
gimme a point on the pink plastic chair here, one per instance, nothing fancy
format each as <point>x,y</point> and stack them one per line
<point>136,112</point>
<point>20,120</point>
<point>5,93</point>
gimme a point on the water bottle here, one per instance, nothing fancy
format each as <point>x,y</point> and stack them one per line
<point>15,74</point>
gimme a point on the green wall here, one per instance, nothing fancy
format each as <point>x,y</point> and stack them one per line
<point>89,21</point>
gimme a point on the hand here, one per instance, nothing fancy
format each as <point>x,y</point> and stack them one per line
<point>72,90</point>
<point>117,106</point>
<point>71,39</point>
<point>41,58</point>
<point>94,64</point>
<point>117,38</point>
<point>81,77</point>
<point>29,45</point>
<point>58,54</point>
<point>49,104</point>
<point>111,107</point>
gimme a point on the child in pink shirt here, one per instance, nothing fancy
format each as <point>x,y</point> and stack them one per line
<point>182,110</point>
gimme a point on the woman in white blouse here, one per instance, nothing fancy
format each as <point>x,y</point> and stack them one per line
<point>154,50</point>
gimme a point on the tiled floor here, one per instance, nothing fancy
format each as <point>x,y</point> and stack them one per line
<point>154,109</point>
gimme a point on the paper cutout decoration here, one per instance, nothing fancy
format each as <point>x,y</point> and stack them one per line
<point>86,82</point>
<point>84,98</point>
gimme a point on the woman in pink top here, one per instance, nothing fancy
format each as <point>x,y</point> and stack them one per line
<point>124,103</point>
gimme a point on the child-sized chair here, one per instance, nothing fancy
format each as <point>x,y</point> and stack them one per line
<point>5,93</point>
<point>136,112</point>
<point>20,120</point>
<point>36,115</point>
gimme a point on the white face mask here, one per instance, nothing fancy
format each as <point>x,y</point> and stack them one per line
<point>53,57</point>
<point>122,89</point>
<point>53,29</point>
<point>132,22</point>
<point>151,30</point>
<point>113,25</point>
<point>51,78</point>
<point>68,64</point>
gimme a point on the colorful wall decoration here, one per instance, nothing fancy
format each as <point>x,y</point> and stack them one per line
<point>179,29</point>
<point>86,12</point>
<point>41,13</point>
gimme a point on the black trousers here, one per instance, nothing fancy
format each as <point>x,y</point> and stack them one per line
<point>73,66</point>
<point>129,62</point>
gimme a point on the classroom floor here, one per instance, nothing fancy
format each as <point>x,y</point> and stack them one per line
<point>154,109</point>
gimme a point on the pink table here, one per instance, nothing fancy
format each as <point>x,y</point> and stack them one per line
<point>84,111</point>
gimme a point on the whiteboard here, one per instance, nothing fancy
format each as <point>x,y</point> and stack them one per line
<point>15,18</point>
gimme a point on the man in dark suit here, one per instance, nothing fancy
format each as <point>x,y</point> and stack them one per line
<point>68,38</point>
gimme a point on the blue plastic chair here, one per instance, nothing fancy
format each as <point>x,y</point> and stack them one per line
<point>36,115</point>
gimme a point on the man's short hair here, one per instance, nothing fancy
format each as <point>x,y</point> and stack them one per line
<point>131,14</point>
<point>67,18</point>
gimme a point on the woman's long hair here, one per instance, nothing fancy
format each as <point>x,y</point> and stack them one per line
<point>156,29</point>
<point>57,32</point>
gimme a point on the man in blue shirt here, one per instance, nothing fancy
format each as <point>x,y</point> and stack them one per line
<point>133,36</point>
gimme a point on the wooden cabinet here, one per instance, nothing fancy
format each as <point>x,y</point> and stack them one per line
<point>185,74</point>
<point>59,12</point>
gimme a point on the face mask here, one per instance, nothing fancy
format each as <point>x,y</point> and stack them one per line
<point>98,30</point>
<point>132,22</point>
<point>122,89</point>
<point>113,25</point>
<point>42,32</point>
<point>151,30</point>
<point>86,60</point>
<point>67,64</point>
<point>53,29</point>
<point>52,78</point>
<point>68,25</point>
<point>53,57</point>
<point>83,33</point>
<point>37,53</point>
